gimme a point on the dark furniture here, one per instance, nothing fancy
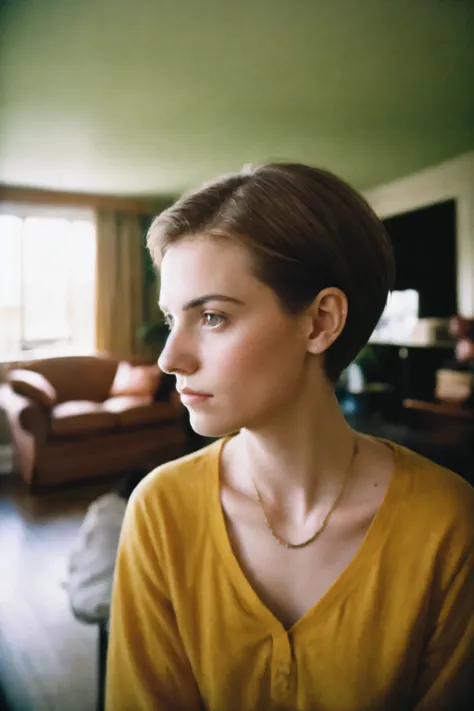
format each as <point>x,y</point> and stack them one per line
<point>102,662</point>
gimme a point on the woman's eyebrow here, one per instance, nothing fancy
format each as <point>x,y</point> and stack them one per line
<point>201,300</point>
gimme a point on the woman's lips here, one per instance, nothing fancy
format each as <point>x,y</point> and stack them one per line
<point>193,398</point>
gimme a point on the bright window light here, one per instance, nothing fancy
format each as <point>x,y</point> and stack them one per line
<point>47,286</point>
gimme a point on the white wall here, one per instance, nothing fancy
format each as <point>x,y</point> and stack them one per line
<point>452,179</point>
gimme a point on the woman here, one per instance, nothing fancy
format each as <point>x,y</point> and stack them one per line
<point>296,564</point>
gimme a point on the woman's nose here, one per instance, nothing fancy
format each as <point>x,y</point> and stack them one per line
<point>177,355</point>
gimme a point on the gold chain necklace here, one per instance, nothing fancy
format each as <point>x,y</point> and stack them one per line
<point>281,540</point>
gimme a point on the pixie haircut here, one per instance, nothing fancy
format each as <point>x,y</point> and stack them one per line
<point>305,230</point>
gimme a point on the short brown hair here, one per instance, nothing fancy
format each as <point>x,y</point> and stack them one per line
<point>305,230</point>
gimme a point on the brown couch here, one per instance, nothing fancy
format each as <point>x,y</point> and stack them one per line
<point>80,417</point>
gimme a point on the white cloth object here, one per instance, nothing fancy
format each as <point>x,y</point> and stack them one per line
<point>92,559</point>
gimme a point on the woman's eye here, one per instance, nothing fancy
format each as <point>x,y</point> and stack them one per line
<point>213,320</point>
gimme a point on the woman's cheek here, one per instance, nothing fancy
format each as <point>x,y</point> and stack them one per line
<point>245,354</point>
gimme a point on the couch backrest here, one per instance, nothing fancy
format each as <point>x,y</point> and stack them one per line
<point>77,377</point>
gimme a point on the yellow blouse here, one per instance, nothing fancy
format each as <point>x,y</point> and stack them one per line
<point>395,631</point>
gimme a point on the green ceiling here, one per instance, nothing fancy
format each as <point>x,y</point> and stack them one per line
<point>143,97</point>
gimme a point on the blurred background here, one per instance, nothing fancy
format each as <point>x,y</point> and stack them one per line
<point>109,110</point>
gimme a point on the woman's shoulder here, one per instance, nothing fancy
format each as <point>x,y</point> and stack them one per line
<point>181,482</point>
<point>436,499</point>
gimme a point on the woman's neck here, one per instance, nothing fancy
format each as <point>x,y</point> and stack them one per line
<point>300,456</point>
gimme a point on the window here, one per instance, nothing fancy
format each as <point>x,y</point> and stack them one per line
<point>47,286</point>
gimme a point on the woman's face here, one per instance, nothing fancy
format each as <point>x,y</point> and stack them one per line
<point>229,338</point>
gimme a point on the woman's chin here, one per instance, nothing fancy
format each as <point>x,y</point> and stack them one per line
<point>211,427</point>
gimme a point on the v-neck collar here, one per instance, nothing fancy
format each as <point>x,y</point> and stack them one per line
<point>374,539</point>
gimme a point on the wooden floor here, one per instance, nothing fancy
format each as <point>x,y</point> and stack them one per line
<point>47,658</point>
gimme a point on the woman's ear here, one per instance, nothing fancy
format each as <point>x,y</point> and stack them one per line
<point>328,315</point>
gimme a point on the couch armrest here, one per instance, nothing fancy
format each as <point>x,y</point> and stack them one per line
<point>32,385</point>
<point>24,412</point>
<point>29,421</point>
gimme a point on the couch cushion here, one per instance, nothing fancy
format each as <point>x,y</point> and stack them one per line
<point>135,380</point>
<point>78,417</point>
<point>140,410</point>
<point>32,385</point>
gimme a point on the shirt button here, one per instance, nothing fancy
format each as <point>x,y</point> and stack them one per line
<point>284,669</point>
<point>283,683</point>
